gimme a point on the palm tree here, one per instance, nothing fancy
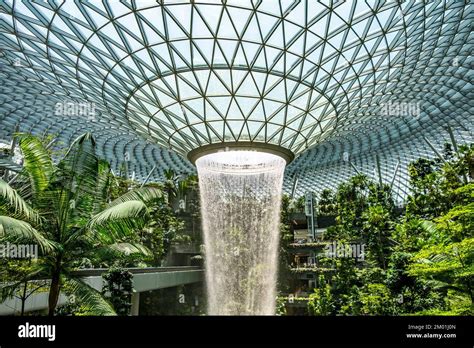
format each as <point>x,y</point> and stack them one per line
<point>176,185</point>
<point>69,217</point>
<point>171,184</point>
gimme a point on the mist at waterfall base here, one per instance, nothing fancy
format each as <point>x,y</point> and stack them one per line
<point>240,204</point>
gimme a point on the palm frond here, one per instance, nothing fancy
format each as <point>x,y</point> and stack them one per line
<point>103,184</point>
<point>129,249</point>
<point>144,194</point>
<point>441,285</point>
<point>120,250</point>
<point>118,220</point>
<point>429,227</point>
<point>17,230</point>
<point>125,210</point>
<point>14,200</point>
<point>80,165</point>
<point>74,188</point>
<point>89,298</point>
<point>37,162</point>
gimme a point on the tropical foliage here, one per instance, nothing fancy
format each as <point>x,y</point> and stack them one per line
<point>418,259</point>
<point>80,215</point>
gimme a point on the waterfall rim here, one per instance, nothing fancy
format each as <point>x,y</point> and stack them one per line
<point>239,162</point>
<point>273,149</point>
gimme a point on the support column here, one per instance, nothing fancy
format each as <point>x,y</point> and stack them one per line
<point>135,304</point>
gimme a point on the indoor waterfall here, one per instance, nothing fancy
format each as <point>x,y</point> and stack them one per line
<point>240,204</point>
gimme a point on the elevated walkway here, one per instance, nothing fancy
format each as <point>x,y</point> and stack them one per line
<point>144,279</point>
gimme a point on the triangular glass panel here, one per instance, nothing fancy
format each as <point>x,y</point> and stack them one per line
<point>279,65</point>
<point>201,131</point>
<point>237,77</point>
<point>228,48</point>
<point>271,107</point>
<point>301,102</point>
<point>247,104</point>
<point>185,91</point>
<point>234,111</point>
<point>219,58</point>
<point>184,49</point>
<point>228,134</point>
<point>248,87</point>
<point>174,30</point>
<point>255,128</point>
<point>278,92</point>
<point>272,54</point>
<point>198,27</point>
<point>211,14</point>
<point>252,32</point>
<point>236,126</point>
<point>225,76</point>
<point>206,47</point>
<point>197,105</point>
<point>211,113</point>
<point>298,47</point>
<point>291,31</point>
<point>154,16</point>
<point>215,86</point>
<point>221,103</point>
<point>191,116</point>
<point>239,18</point>
<point>198,58</point>
<point>276,38</point>
<point>250,50</point>
<point>298,13</point>
<point>182,13</point>
<point>202,77</point>
<point>226,29</point>
<point>258,114</point>
<point>279,117</point>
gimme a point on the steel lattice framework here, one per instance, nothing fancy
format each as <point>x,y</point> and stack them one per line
<point>330,80</point>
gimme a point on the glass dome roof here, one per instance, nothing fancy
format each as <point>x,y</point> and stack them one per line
<point>346,85</point>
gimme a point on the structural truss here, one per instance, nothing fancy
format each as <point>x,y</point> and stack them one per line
<point>347,86</point>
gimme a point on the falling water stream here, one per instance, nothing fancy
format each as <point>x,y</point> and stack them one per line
<point>240,203</point>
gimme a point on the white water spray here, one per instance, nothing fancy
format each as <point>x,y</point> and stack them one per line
<point>240,204</point>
